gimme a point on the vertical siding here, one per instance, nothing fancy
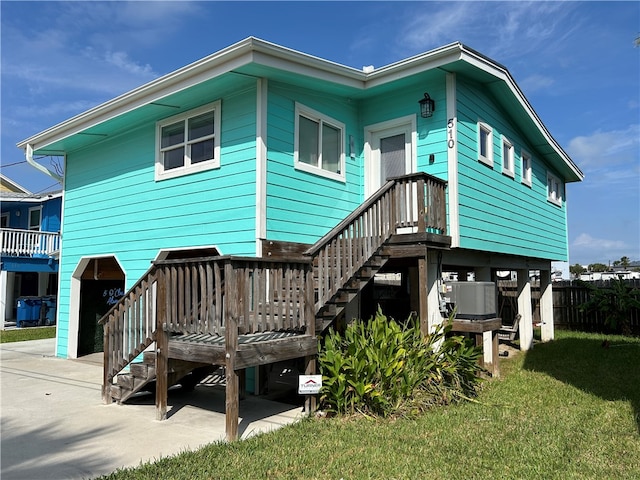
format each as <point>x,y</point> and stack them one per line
<point>113,205</point>
<point>302,206</point>
<point>499,213</point>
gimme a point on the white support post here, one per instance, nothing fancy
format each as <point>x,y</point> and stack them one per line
<point>546,305</point>
<point>433,296</point>
<point>483,274</point>
<point>4,297</point>
<point>525,310</point>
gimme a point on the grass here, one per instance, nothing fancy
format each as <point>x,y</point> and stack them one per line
<point>568,409</point>
<point>24,334</point>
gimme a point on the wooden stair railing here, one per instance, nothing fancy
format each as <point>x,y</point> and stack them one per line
<point>129,329</point>
<point>348,256</point>
<point>204,295</point>
<point>189,296</point>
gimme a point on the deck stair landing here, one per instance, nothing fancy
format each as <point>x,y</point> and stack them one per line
<point>239,312</point>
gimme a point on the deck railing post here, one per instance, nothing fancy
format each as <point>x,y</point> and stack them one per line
<point>162,347</point>
<point>106,365</point>
<point>232,409</point>
<point>422,206</point>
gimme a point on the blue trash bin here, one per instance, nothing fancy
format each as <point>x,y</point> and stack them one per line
<point>29,310</point>
<point>49,304</point>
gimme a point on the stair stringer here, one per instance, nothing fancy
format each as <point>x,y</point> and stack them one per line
<point>350,289</point>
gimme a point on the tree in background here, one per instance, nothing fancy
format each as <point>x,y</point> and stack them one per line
<point>598,267</point>
<point>577,270</point>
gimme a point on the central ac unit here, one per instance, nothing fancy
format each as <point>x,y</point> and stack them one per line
<point>472,300</point>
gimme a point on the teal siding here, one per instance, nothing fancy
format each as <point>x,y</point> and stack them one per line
<point>499,213</point>
<point>302,206</point>
<point>113,205</point>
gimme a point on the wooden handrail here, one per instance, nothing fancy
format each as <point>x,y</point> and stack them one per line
<point>195,295</point>
<point>129,328</point>
<point>438,216</point>
<point>415,202</point>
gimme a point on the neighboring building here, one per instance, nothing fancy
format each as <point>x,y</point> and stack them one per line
<point>259,151</point>
<point>30,245</point>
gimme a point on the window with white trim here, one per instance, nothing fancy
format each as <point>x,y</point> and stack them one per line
<point>319,144</point>
<point>525,168</point>
<point>35,218</point>
<point>554,189</point>
<point>508,167</point>
<point>189,142</point>
<point>485,144</point>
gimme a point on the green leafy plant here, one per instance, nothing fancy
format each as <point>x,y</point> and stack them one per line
<point>380,367</point>
<point>615,303</point>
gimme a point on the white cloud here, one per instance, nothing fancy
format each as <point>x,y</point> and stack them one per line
<point>501,30</point>
<point>607,148</point>
<point>586,241</point>
<point>586,249</point>
<point>535,82</point>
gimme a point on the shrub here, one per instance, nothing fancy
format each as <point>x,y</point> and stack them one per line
<point>382,368</point>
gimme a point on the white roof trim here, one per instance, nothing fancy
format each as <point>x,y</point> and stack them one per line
<point>251,50</point>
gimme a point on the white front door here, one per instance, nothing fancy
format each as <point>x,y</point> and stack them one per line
<point>389,152</point>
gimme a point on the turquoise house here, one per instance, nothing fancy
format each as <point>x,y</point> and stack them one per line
<point>259,151</point>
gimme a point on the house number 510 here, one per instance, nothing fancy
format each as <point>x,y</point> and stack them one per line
<point>450,124</point>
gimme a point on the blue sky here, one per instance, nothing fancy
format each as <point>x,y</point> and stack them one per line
<point>575,61</point>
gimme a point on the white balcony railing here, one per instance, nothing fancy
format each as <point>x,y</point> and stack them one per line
<point>29,243</point>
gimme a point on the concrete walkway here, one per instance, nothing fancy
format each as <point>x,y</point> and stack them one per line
<point>55,426</point>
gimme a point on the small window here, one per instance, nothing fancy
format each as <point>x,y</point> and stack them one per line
<point>485,144</point>
<point>4,220</point>
<point>188,142</point>
<point>35,218</point>
<point>526,168</point>
<point>319,144</point>
<point>507,158</point>
<point>554,189</point>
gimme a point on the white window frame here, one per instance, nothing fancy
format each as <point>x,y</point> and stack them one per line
<point>525,170</point>
<point>488,158</point>
<point>320,118</point>
<point>188,168</point>
<point>33,227</point>
<point>508,161</point>
<point>554,189</point>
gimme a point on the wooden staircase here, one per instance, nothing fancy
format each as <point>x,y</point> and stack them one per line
<point>224,298</point>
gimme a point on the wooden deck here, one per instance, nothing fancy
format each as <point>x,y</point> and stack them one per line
<point>240,312</point>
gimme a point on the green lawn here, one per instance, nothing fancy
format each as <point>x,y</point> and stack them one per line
<point>30,333</point>
<point>569,409</point>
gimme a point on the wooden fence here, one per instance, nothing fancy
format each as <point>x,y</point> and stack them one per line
<point>568,297</point>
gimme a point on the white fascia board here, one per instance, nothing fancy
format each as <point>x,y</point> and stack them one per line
<point>223,61</point>
<point>414,65</point>
<point>127,102</point>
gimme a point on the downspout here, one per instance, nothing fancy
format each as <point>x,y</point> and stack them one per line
<point>28,153</point>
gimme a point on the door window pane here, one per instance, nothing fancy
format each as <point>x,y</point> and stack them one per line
<point>392,157</point>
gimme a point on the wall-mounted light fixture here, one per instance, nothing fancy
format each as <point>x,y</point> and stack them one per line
<point>427,106</point>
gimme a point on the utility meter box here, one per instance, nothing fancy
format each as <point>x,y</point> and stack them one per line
<point>472,300</point>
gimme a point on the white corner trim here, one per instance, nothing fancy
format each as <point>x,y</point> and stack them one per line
<point>452,160</point>
<point>261,163</point>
